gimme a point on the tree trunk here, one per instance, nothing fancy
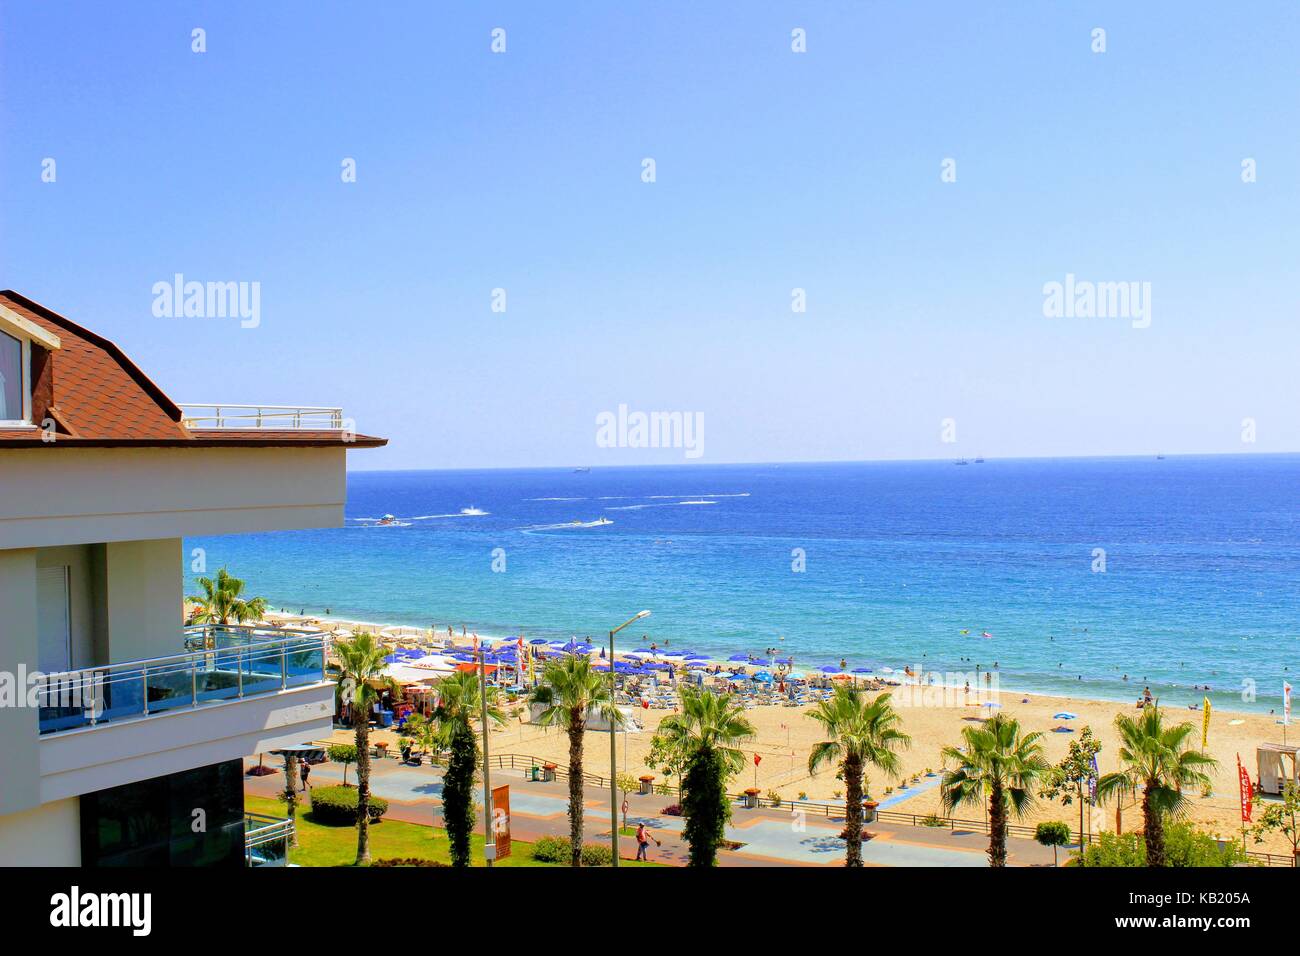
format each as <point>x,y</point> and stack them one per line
<point>291,794</point>
<point>853,810</point>
<point>576,729</point>
<point>1153,831</point>
<point>363,788</point>
<point>997,827</point>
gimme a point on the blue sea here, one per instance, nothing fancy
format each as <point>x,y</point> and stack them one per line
<point>882,564</point>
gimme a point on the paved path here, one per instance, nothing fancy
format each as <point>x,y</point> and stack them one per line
<point>769,837</point>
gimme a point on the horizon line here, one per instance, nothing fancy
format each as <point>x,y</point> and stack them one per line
<point>844,461</point>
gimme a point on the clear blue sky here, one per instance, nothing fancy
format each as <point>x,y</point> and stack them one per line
<point>775,170</point>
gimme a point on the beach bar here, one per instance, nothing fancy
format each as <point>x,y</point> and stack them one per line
<point>1274,774</point>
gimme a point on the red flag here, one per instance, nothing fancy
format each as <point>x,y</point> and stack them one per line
<point>757,760</point>
<point>645,703</point>
<point>1247,791</point>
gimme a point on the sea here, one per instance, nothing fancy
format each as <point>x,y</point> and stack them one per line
<point>1089,577</point>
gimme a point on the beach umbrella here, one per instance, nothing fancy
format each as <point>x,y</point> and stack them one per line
<point>862,670</point>
<point>990,704</point>
<point>785,660</point>
<point>697,657</point>
<point>886,670</point>
<point>830,669</point>
<point>763,676</point>
<point>744,658</point>
<point>1065,715</point>
<point>796,675</point>
<point>539,640</point>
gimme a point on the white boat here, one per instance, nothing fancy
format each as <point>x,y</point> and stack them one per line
<point>471,510</point>
<point>387,520</point>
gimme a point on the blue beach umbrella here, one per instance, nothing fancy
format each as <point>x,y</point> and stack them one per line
<point>830,669</point>
<point>862,670</point>
<point>1065,715</point>
<point>539,640</point>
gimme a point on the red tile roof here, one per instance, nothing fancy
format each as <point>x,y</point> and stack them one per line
<point>100,398</point>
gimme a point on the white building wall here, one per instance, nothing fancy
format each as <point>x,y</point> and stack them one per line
<point>48,835</point>
<point>64,496</point>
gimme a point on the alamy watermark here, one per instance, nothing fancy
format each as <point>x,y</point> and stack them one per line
<point>208,300</point>
<point>627,429</point>
<point>1084,299</point>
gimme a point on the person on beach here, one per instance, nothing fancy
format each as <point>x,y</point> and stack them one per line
<point>643,839</point>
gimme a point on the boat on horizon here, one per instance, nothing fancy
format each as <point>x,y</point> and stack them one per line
<point>582,471</point>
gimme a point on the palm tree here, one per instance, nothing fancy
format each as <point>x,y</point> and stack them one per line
<point>862,733</point>
<point>572,693</point>
<point>998,762</point>
<point>361,663</point>
<point>1158,761</point>
<point>459,706</point>
<point>706,733</point>
<point>221,602</point>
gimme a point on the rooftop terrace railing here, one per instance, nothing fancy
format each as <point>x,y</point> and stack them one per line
<point>221,664</point>
<point>269,417</point>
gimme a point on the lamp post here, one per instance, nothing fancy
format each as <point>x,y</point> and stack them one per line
<point>613,743</point>
<point>489,830</point>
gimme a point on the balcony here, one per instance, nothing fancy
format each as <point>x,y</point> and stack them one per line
<point>262,417</point>
<point>220,664</point>
<point>235,691</point>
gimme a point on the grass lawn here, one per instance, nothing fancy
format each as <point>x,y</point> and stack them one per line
<point>320,845</point>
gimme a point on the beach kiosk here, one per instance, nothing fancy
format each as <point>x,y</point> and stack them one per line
<point>1277,767</point>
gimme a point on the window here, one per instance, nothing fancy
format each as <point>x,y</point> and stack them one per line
<point>14,399</point>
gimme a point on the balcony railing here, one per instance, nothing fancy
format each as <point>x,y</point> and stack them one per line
<point>266,840</point>
<point>269,417</point>
<point>221,664</point>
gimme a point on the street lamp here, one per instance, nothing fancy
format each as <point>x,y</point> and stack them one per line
<point>613,743</point>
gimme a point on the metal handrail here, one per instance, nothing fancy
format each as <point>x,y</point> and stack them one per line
<point>75,700</point>
<point>277,417</point>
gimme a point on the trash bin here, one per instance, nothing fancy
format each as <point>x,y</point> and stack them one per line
<point>385,718</point>
<point>548,773</point>
<point>869,811</point>
<point>534,773</point>
<point>647,785</point>
<point>751,798</point>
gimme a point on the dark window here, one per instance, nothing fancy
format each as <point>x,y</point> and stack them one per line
<point>153,822</point>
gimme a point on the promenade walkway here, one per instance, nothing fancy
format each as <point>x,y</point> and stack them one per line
<point>768,837</point>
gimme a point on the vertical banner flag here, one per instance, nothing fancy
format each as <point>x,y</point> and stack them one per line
<point>1246,791</point>
<point>1286,703</point>
<point>1205,723</point>
<point>501,820</point>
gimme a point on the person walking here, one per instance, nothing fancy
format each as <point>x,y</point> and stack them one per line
<point>304,771</point>
<point>643,839</point>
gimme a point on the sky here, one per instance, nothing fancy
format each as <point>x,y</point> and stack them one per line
<point>774,170</point>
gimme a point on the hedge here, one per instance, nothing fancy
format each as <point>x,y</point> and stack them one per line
<point>551,849</point>
<point>338,806</point>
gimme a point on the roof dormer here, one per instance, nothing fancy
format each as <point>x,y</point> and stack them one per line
<point>18,337</point>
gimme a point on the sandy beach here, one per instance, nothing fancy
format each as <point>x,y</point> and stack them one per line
<point>784,736</point>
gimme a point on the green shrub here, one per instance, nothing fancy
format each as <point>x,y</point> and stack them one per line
<point>337,806</point>
<point>551,849</point>
<point>407,861</point>
<point>1184,846</point>
<point>596,854</point>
